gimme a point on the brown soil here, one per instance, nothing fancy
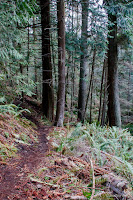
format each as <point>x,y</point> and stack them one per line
<point>38,172</point>
<point>14,175</point>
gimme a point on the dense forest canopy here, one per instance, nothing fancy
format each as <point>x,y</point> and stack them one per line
<point>74,56</point>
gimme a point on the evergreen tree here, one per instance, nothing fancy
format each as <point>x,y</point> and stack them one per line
<point>83,61</point>
<point>47,91</point>
<point>61,64</point>
<point>114,114</point>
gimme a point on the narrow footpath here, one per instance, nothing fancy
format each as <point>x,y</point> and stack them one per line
<point>14,175</point>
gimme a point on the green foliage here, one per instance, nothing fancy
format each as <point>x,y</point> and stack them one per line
<point>87,194</point>
<point>105,144</point>
<point>14,130</point>
<point>16,19</point>
<point>130,128</point>
<point>14,15</point>
<point>7,151</point>
<point>12,109</point>
<point>26,9</point>
<point>101,196</point>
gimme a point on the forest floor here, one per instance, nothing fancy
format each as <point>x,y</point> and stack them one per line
<point>14,174</point>
<point>39,172</point>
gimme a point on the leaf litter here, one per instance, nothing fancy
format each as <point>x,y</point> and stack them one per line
<point>42,171</point>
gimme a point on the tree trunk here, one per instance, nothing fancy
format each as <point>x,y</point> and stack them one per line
<point>128,95</point>
<point>91,82</point>
<point>67,82</point>
<point>103,114</point>
<point>90,120</point>
<point>28,53</point>
<point>83,61</point>
<point>22,93</point>
<point>61,63</point>
<point>35,63</point>
<point>54,63</point>
<point>114,114</point>
<point>47,91</point>
<point>101,90</point>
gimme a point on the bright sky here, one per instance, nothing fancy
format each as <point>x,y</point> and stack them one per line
<point>101,2</point>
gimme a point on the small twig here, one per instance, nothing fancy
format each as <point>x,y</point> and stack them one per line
<point>3,163</point>
<point>59,194</point>
<point>62,177</point>
<point>93,190</point>
<point>101,171</point>
<point>111,156</point>
<point>80,161</point>
<point>42,182</point>
<point>54,166</point>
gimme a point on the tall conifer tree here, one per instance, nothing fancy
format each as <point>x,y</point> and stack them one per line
<point>47,91</point>
<point>83,61</point>
<point>114,114</point>
<point>61,63</point>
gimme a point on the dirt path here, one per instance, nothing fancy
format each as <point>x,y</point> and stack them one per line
<point>13,176</point>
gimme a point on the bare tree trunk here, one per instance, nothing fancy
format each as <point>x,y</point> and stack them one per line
<point>73,69</point>
<point>35,67</point>
<point>67,81</point>
<point>28,53</point>
<point>104,99</point>
<point>128,94</point>
<point>101,90</point>
<point>21,71</point>
<point>83,61</point>
<point>72,84</point>
<point>90,120</point>
<point>90,84</point>
<point>114,113</point>
<point>53,62</point>
<point>47,91</point>
<point>61,63</point>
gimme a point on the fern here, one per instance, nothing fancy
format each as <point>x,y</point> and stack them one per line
<point>115,142</point>
<point>12,109</point>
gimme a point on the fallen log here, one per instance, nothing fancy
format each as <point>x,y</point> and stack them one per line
<point>118,185</point>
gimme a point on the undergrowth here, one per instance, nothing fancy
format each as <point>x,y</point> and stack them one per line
<point>130,128</point>
<point>12,109</point>
<point>110,147</point>
<point>14,130</point>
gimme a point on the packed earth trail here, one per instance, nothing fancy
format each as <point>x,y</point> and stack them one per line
<point>14,174</point>
<point>47,170</point>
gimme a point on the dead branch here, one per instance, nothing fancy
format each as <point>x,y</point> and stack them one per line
<point>93,190</point>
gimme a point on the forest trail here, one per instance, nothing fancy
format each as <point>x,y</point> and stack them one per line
<point>14,175</point>
<point>41,171</point>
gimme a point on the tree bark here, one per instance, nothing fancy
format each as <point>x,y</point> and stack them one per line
<point>22,93</point>
<point>91,82</point>
<point>61,64</point>
<point>101,90</point>
<point>35,63</point>
<point>54,63</point>
<point>67,81</point>
<point>47,90</point>
<point>83,61</point>
<point>114,114</point>
<point>28,53</point>
<point>103,114</point>
<point>90,120</point>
